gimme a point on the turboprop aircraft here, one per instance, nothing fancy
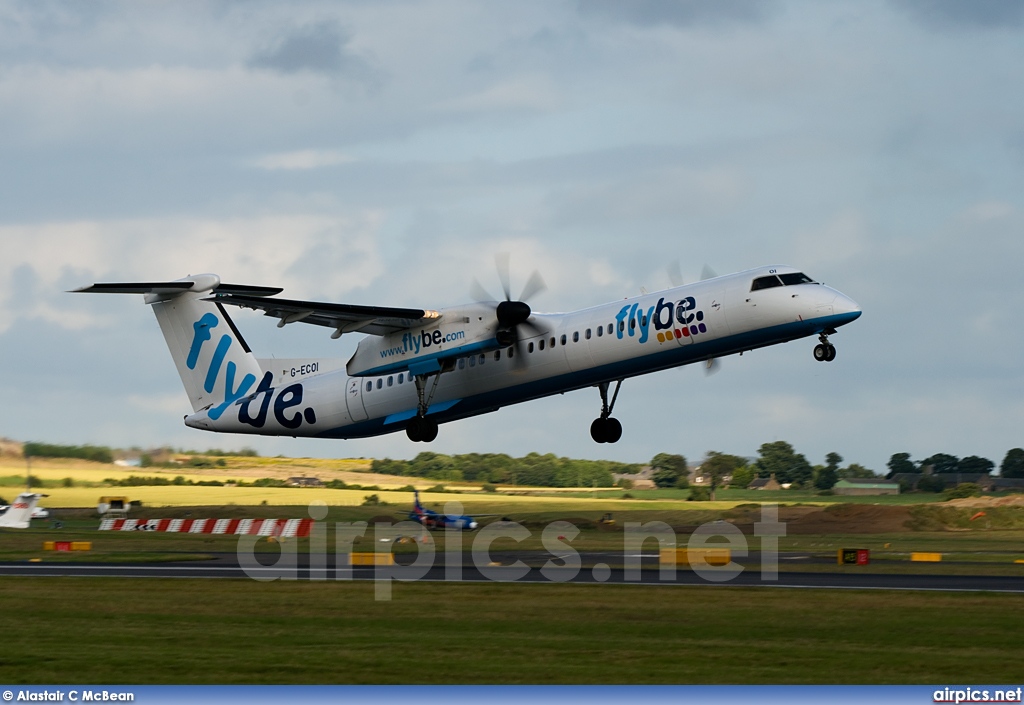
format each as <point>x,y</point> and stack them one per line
<point>417,368</point>
<point>19,514</point>
<point>434,520</point>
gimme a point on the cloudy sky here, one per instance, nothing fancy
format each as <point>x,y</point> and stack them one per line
<point>383,152</point>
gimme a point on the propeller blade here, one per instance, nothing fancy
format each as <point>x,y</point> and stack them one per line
<point>707,273</point>
<point>675,274</point>
<point>519,358</point>
<point>536,327</point>
<point>501,262</point>
<point>534,285</point>
<point>480,294</point>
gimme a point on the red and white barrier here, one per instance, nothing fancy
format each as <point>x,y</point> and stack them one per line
<point>288,528</point>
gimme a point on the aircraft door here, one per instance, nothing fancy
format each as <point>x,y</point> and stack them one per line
<point>354,399</point>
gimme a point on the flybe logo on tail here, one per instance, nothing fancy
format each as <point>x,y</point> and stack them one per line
<point>680,319</point>
<point>203,333</point>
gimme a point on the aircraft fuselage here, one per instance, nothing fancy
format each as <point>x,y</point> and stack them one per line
<point>679,326</point>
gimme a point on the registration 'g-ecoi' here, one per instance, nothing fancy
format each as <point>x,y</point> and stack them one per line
<point>417,368</point>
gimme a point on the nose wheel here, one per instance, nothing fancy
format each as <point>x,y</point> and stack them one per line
<point>607,429</point>
<point>824,351</point>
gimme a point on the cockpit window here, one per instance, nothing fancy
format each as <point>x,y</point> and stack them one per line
<point>796,278</point>
<point>765,283</point>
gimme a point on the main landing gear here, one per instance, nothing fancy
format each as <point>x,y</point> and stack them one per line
<point>420,428</point>
<point>824,351</point>
<point>607,429</point>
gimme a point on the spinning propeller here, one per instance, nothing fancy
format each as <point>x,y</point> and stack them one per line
<point>675,275</point>
<point>512,316</point>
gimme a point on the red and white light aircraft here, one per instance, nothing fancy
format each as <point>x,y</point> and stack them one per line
<point>417,368</point>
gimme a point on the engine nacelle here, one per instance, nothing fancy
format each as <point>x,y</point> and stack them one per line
<point>459,332</point>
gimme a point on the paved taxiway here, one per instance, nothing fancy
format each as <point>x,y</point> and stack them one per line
<point>225,566</point>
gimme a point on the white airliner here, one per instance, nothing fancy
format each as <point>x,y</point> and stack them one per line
<point>19,514</point>
<point>417,368</point>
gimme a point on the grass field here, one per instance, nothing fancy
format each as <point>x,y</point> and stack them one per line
<point>84,630</point>
<point>74,630</point>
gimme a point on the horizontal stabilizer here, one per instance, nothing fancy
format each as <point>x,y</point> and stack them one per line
<point>135,288</point>
<point>166,288</point>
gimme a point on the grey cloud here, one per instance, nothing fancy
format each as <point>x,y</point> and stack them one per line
<point>680,13</point>
<point>956,14</point>
<point>318,48</point>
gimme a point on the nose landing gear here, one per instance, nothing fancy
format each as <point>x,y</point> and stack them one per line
<point>607,429</point>
<point>824,351</point>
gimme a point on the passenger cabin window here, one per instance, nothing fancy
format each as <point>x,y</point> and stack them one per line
<point>575,336</point>
<point>540,344</point>
<point>472,362</point>
<point>529,348</point>
<point>765,283</point>
<point>497,355</point>
<point>796,278</point>
<point>552,341</point>
<point>588,334</point>
<point>369,386</point>
<point>462,363</point>
<point>401,377</point>
<point>563,338</point>
<point>600,331</point>
<point>510,353</point>
<point>610,331</point>
<point>380,382</point>
<point>391,381</point>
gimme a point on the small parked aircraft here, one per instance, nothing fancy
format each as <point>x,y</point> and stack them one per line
<point>433,520</point>
<point>20,514</point>
<point>417,368</point>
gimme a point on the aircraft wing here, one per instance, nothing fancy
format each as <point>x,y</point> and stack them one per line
<point>344,318</point>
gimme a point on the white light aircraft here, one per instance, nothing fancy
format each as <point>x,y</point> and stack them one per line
<point>19,514</point>
<point>418,368</point>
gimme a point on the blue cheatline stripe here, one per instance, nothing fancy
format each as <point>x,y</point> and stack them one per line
<point>665,359</point>
<point>516,695</point>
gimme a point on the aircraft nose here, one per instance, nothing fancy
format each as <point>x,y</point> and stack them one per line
<point>845,309</point>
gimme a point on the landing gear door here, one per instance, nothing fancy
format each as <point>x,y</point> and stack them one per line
<point>354,399</point>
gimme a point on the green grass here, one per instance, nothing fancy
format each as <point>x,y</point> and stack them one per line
<point>78,630</point>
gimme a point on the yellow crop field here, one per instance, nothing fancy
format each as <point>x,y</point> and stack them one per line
<point>188,495</point>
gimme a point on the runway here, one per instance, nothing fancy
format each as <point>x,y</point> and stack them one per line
<point>228,567</point>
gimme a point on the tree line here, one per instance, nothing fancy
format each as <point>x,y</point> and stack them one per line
<point>97,454</point>
<point>1012,465</point>
<point>777,459</point>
